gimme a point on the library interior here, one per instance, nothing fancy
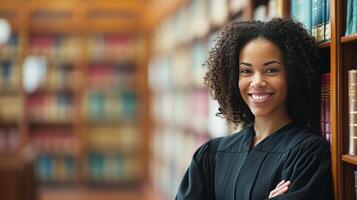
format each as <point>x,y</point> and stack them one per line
<point>105,99</point>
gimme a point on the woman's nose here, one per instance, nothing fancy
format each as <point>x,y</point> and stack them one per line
<point>258,81</point>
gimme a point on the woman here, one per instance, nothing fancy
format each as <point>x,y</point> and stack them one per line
<point>265,76</point>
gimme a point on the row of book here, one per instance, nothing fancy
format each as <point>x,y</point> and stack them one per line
<point>182,70</point>
<point>111,105</point>
<point>56,47</point>
<point>11,108</point>
<point>116,106</point>
<point>10,75</point>
<point>105,138</point>
<point>112,168</point>
<point>98,48</point>
<point>51,168</point>
<point>10,139</point>
<point>60,76</point>
<point>113,48</point>
<point>315,15</point>
<point>195,20</point>
<point>57,107</point>
<point>12,49</point>
<point>55,141</point>
<point>273,8</point>
<point>172,151</point>
<point>111,76</point>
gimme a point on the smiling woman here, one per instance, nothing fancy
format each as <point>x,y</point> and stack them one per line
<point>265,76</point>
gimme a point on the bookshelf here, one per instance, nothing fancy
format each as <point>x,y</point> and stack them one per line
<point>344,48</point>
<point>336,58</point>
<point>85,114</point>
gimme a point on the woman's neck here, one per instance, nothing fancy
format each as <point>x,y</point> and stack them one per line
<point>264,127</point>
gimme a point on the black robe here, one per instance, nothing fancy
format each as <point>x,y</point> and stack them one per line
<point>229,168</point>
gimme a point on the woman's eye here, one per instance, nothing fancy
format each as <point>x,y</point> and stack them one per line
<point>271,71</point>
<point>245,71</point>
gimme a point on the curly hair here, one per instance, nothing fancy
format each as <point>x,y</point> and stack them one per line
<point>300,55</point>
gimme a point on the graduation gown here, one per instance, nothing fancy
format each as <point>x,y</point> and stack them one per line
<point>230,168</point>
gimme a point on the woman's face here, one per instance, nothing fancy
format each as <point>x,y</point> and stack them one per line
<point>262,78</point>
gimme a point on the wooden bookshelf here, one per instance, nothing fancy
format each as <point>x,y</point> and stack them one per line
<point>349,39</point>
<point>60,31</point>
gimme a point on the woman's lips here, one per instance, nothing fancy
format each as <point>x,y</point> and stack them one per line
<point>260,98</point>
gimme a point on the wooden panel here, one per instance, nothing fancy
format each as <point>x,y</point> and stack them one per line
<point>14,12</point>
<point>336,96</point>
<point>350,159</point>
<point>348,182</point>
<point>349,39</point>
<point>158,10</point>
<point>113,25</point>
<point>134,6</point>
<point>17,180</point>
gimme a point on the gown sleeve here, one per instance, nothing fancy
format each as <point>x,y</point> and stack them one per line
<point>198,181</point>
<point>309,170</point>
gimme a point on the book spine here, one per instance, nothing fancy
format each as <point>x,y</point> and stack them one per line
<point>317,19</point>
<point>349,17</point>
<point>301,10</point>
<point>352,108</point>
<point>354,17</point>
<point>327,21</point>
<point>322,105</point>
<point>327,108</point>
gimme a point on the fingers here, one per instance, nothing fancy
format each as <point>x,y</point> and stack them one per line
<point>279,184</point>
<point>281,188</point>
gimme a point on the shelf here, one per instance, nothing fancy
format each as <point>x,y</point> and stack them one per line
<point>350,159</point>
<point>53,122</point>
<point>5,91</point>
<point>113,150</point>
<point>349,39</point>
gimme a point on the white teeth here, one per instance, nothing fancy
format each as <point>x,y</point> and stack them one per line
<point>260,97</point>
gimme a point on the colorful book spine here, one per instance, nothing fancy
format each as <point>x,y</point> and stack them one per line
<point>327,117</point>
<point>352,108</point>
<point>327,33</point>
<point>351,17</point>
<point>317,19</point>
<point>355,176</point>
<point>301,10</point>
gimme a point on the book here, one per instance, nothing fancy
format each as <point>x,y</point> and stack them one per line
<point>327,34</point>
<point>236,6</point>
<point>219,12</point>
<point>301,11</point>
<point>260,13</point>
<point>275,8</point>
<point>317,20</point>
<point>354,17</point>
<point>352,109</point>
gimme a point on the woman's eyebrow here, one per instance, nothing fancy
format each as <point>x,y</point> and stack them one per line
<point>244,63</point>
<point>271,62</point>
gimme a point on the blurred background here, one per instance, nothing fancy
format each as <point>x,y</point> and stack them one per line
<point>104,99</point>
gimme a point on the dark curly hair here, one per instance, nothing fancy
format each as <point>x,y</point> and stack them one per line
<point>300,54</point>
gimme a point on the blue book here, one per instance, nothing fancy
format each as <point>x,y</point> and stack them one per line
<point>349,17</point>
<point>301,11</point>
<point>354,17</point>
<point>327,21</point>
<point>317,19</point>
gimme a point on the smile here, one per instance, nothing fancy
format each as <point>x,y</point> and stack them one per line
<point>260,98</point>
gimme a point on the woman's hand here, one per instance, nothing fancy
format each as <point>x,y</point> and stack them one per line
<point>281,188</point>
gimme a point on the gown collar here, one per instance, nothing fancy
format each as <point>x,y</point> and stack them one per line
<point>283,139</point>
